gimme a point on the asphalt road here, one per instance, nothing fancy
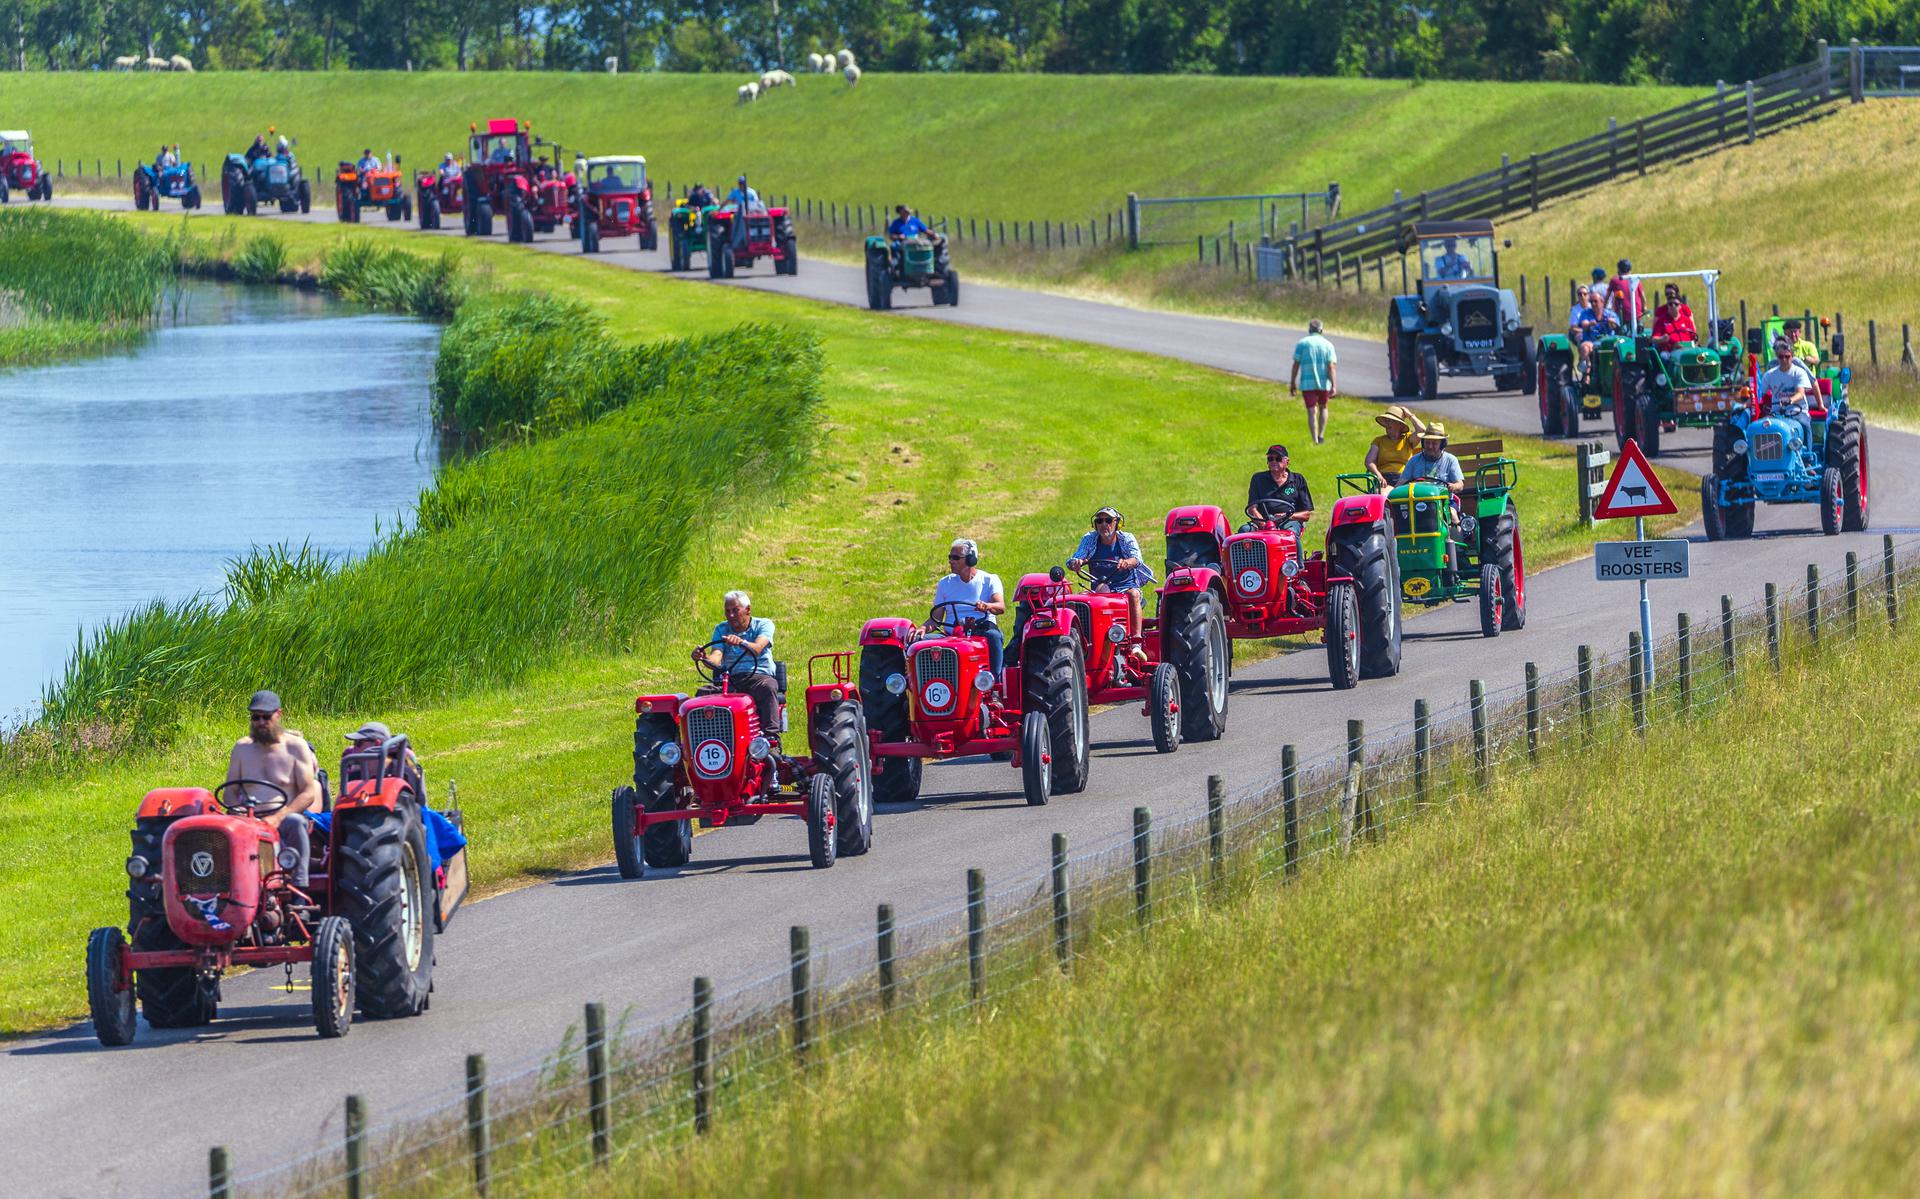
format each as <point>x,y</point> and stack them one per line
<point>514,970</point>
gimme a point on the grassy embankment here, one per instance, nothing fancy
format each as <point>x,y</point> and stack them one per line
<point>1006,147</point>
<point>928,432</point>
<point>48,309</point>
<point>1644,967</point>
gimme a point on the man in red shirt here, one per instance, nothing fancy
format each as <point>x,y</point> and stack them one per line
<point>1626,297</point>
<point>1673,321</point>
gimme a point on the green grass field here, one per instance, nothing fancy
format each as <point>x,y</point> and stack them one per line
<point>1005,146</point>
<point>930,433</point>
<point>1641,968</point>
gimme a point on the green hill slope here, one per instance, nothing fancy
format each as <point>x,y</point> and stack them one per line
<point>1003,146</point>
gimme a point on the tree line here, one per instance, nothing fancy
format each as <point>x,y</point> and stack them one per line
<point>1601,41</point>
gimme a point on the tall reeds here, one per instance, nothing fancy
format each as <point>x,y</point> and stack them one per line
<point>81,266</point>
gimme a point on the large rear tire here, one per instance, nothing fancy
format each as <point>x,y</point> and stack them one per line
<point>1553,371</point>
<point>1196,644</point>
<point>840,748</point>
<point>1646,414</point>
<point>1163,707</point>
<point>1369,557</point>
<point>1055,682</point>
<point>483,218</point>
<point>333,978</point>
<point>1624,412</point>
<point>656,789</point>
<point>898,780</point>
<point>953,289</point>
<point>108,1002</point>
<point>305,197</point>
<point>1848,453</point>
<point>716,268</point>
<point>384,887</point>
<point>1502,546</point>
<point>1400,366</point>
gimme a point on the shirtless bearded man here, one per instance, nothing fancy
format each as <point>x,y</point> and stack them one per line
<point>272,753</point>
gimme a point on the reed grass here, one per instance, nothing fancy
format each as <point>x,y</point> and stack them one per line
<point>261,260</point>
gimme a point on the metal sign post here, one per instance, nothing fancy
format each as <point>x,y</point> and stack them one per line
<point>1634,490</point>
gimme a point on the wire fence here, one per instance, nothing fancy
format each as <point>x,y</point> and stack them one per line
<point>650,1087</point>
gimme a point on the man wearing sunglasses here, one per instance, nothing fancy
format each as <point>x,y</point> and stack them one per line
<point>1112,556</point>
<point>972,594</point>
<point>1279,493</point>
<point>273,753</point>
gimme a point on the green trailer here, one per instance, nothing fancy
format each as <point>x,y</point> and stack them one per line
<point>1471,551</point>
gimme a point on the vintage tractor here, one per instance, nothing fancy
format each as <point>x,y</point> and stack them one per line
<point>436,194</point>
<point>1686,386</point>
<point>212,890</point>
<point>1469,550</point>
<point>355,191</point>
<point>739,233</point>
<point>1779,454</point>
<point>910,262</point>
<point>20,171</point>
<point>1116,675</point>
<point>614,198</point>
<point>504,178</point>
<point>173,183</point>
<point>687,233</point>
<point>707,759</point>
<point>1266,585</point>
<point>935,696</point>
<point>268,179</point>
<point>1460,321</point>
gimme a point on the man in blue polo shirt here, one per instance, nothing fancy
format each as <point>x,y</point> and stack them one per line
<point>742,651</point>
<point>905,224</point>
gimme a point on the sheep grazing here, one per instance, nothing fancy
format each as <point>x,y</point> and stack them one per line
<point>852,72</point>
<point>846,59</point>
<point>829,65</point>
<point>126,62</point>
<point>766,82</point>
<point>749,92</point>
<point>783,78</point>
<point>813,63</point>
<point>156,64</point>
<point>180,62</point>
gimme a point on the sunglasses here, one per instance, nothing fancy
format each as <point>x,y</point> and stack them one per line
<point>1276,457</point>
<point>1103,520</point>
<point>956,557</point>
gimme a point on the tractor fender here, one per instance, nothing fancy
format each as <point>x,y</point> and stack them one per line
<point>822,695</point>
<point>1358,510</point>
<point>1406,314</point>
<point>664,705</point>
<point>887,630</point>
<point>369,793</point>
<point>176,801</point>
<point>1192,580</point>
<point>1198,518</point>
<point>1555,343</point>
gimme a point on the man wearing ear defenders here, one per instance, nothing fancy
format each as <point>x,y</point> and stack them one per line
<point>971,594</point>
<point>1112,556</point>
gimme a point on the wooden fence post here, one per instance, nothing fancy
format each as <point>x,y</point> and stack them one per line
<point>702,1054</point>
<point>1583,674</point>
<point>1893,592</point>
<point>479,1126</point>
<point>1216,831</point>
<point>1533,712</point>
<point>220,1174</point>
<point>1142,867</point>
<point>1813,604</point>
<point>1773,626</point>
<point>800,966</point>
<point>1686,665</point>
<point>1290,809</point>
<point>1422,750</point>
<point>1728,659</point>
<point>1477,713</point>
<point>597,1081</point>
<point>977,933</point>
<point>884,954</point>
<point>356,1133</point>
<point>1062,906</point>
<point>1356,768</point>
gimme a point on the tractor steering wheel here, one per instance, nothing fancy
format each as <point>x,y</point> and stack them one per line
<point>246,803</point>
<point>706,669</point>
<point>963,626</point>
<point>1261,510</point>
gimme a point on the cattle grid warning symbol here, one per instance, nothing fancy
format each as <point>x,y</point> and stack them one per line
<point>1633,490</point>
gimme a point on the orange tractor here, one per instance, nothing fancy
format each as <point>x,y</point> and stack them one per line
<point>355,191</point>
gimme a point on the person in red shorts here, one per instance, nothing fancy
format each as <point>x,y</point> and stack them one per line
<point>1313,378</point>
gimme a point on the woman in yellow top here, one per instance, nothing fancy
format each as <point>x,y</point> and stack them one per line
<point>1387,455</point>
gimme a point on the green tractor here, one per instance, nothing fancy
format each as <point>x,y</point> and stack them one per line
<point>1646,384</point>
<point>910,262</point>
<point>687,233</point>
<point>1472,552</point>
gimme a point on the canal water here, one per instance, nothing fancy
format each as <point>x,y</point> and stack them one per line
<point>251,416</point>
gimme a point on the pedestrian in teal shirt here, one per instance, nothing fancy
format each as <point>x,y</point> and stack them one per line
<point>1313,378</point>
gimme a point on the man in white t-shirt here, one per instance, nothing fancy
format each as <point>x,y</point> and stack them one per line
<point>1788,387</point>
<point>969,592</point>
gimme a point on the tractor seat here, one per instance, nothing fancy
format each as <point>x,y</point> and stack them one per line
<point>1817,413</point>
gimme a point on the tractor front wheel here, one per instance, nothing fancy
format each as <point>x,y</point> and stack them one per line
<point>429,211</point>
<point>886,713</point>
<point>1196,644</point>
<point>1036,768</point>
<point>789,263</point>
<point>627,854</point>
<point>1555,376</point>
<point>669,843</point>
<point>1163,707</point>
<point>822,838</point>
<point>483,218</point>
<point>1492,611</point>
<point>1710,510</point>
<point>305,197</point>
<point>1833,502</point>
<point>1343,636</point>
<point>1646,411</point>
<point>953,289</point>
<point>384,887</point>
<point>1400,366</point>
<point>332,980</point>
<point>1055,683</point>
<point>109,1001</point>
<point>840,750</point>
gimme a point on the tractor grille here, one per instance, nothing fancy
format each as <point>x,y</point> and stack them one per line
<point>1083,623</point>
<point>201,863</point>
<point>711,724</point>
<point>1768,447</point>
<point>938,664</point>
<point>1478,322</point>
<point>1703,371</point>
<point>1249,556</point>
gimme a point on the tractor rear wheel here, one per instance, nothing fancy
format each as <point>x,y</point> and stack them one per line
<point>333,977</point>
<point>1036,766</point>
<point>1343,636</point>
<point>1429,370</point>
<point>429,211</point>
<point>727,261</point>
<point>483,217</point>
<point>1054,682</point>
<point>249,200</point>
<point>789,263</point>
<point>1847,451</point>
<point>384,887</point>
<point>886,713</point>
<point>1400,367</point>
<point>1529,366</point>
<point>1196,644</point>
<point>822,839</point>
<point>109,1003</point>
<point>343,205</point>
<point>715,245</point>
<point>1369,557</point>
<point>669,843</point>
<point>1623,410</point>
<point>1556,374</point>
<point>1646,410</point>
<point>953,289</point>
<point>650,237</point>
<point>627,854</point>
<point>305,197</point>
<point>1502,546</point>
<point>1833,501</point>
<point>1163,707</point>
<point>522,222</point>
<point>1492,609</point>
<point>840,749</point>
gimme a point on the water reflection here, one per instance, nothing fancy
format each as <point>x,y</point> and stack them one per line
<point>251,416</point>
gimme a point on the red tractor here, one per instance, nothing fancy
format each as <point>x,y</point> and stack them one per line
<point>19,169</point>
<point>436,192</point>
<point>615,198</point>
<point>212,889</point>
<point>740,232</point>
<point>504,177</point>
<point>934,696</point>
<point>707,759</point>
<point>1266,585</point>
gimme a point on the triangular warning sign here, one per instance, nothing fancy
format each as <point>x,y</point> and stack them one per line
<point>1634,490</point>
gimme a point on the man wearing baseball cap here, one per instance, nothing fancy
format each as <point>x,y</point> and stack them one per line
<point>271,753</point>
<point>1278,494</point>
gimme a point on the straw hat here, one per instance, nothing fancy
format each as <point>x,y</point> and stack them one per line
<point>1400,414</point>
<point>1437,431</point>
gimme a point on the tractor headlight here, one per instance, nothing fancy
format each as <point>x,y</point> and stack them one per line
<point>668,753</point>
<point>138,866</point>
<point>897,683</point>
<point>1512,324</point>
<point>1468,524</point>
<point>1117,634</point>
<point>1739,445</point>
<point>289,858</point>
<point>1446,328</point>
<point>983,681</point>
<point>1290,567</point>
<point>759,748</point>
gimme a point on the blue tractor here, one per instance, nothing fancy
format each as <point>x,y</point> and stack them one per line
<point>174,183</point>
<point>271,178</point>
<point>1790,454</point>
